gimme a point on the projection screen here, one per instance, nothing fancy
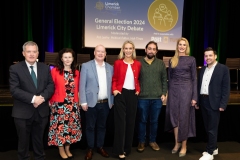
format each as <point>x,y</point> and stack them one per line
<point>111,22</point>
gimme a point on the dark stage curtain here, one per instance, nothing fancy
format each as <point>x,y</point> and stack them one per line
<point>55,24</point>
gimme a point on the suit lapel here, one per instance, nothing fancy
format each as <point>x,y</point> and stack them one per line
<point>107,75</point>
<point>94,70</point>
<point>39,72</point>
<point>214,73</point>
<point>27,73</point>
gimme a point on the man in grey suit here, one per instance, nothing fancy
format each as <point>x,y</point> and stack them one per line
<point>96,98</point>
<point>214,91</point>
<point>31,86</point>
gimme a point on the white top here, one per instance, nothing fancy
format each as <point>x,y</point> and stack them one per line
<point>206,79</point>
<point>129,78</point>
<point>102,81</point>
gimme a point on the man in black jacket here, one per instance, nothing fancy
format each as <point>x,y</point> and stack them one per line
<point>214,90</point>
<point>31,86</point>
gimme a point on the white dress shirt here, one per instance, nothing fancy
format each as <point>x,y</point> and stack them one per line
<point>102,81</point>
<point>206,79</point>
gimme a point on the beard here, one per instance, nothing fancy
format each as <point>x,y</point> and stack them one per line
<point>150,56</point>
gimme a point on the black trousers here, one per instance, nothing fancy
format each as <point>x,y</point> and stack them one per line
<point>211,120</point>
<point>34,128</point>
<point>96,118</point>
<point>125,108</point>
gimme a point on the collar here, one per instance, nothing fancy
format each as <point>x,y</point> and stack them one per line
<point>213,66</point>
<point>28,65</point>
<point>98,64</point>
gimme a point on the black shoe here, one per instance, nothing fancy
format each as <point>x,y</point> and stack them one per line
<point>71,158</point>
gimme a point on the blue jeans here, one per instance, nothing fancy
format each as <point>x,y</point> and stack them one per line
<point>148,108</point>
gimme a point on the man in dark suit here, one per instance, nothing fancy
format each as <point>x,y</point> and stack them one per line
<point>214,90</point>
<point>96,99</point>
<point>31,86</point>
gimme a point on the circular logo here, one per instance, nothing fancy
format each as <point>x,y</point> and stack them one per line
<point>99,5</point>
<point>163,15</point>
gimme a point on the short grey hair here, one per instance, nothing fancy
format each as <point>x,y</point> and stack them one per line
<point>29,43</point>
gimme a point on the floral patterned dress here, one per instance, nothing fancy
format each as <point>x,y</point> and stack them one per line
<point>65,118</point>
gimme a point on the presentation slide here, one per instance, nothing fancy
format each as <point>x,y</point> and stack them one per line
<point>111,22</point>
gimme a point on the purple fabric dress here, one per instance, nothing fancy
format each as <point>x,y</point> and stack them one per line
<point>182,89</point>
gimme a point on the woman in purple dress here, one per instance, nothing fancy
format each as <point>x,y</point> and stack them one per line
<point>182,96</point>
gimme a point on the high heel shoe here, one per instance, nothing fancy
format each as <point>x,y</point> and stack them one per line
<point>63,158</point>
<point>175,151</point>
<point>182,154</point>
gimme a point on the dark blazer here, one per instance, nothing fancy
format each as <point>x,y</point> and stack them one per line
<point>219,86</point>
<point>22,89</point>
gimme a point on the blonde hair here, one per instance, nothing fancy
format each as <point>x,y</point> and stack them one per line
<point>122,55</point>
<point>174,60</point>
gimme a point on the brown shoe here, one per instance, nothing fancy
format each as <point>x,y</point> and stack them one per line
<point>102,152</point>
<point>141,147</point>
<point>89,154</point>
<point>154,146</point>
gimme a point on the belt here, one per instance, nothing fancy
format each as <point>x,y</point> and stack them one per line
<point>102,101</point>
<point>204,95</point>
